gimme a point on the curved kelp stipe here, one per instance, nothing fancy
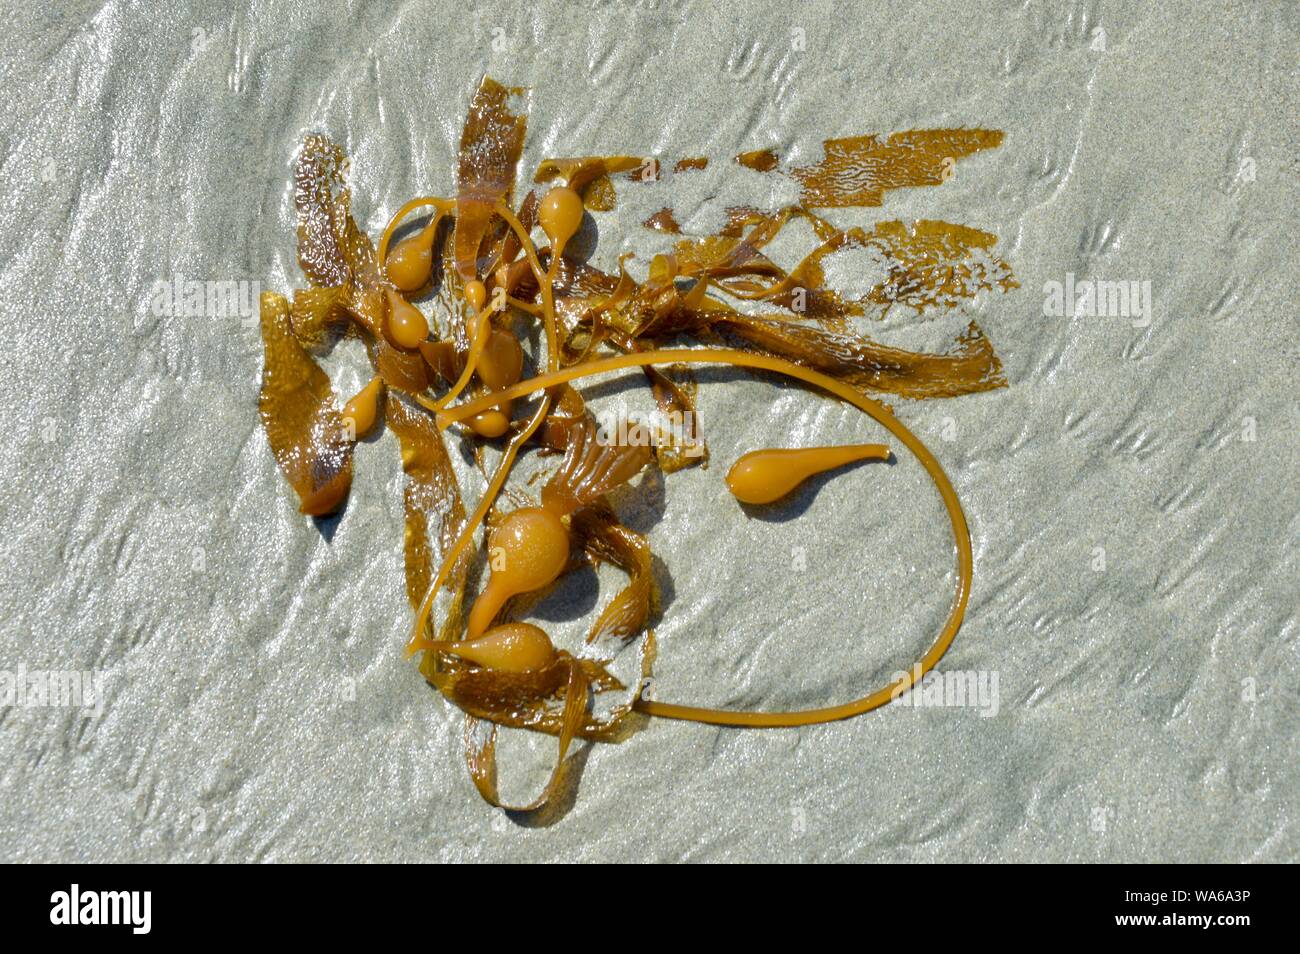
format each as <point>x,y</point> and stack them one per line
<point>877,411</point>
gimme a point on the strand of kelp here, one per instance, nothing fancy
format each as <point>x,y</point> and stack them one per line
<point>559,217</point>
<point>960,530</point>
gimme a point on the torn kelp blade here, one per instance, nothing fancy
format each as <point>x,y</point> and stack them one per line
<point>303,423</point>
<point>490,145</point>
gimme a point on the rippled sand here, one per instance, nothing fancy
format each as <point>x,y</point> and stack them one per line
<point>1132,493</point>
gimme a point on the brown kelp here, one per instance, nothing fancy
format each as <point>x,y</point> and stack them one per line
<point>456,366</point>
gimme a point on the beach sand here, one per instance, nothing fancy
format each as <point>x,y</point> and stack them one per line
<point>1132,493</point>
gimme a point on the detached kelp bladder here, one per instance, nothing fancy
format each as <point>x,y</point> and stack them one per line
<point>476,263</point>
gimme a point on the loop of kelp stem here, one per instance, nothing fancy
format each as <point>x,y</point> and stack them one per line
<point>875,410</point>
<point>441,204</point>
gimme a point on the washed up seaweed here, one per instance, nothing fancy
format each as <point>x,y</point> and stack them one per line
<point>447,304</point>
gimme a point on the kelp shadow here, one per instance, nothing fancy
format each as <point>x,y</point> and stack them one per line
<point>565,794</point>
<point>328,525</point>
<point>796,504</point>
<point>563,797</point>
<point>582,246</point>
<point>572,596</point>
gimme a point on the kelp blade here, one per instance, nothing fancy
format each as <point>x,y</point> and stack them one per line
<point>303,423</point>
